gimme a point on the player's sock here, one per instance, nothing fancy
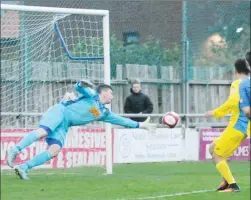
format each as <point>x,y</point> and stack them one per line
<point>27,140</point>
<point>37,160</point>
<point>224,170</point>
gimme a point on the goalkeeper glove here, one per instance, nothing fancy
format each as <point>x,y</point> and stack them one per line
<point>86,83</point>
<point>151,127</point>
<point>69,96</point>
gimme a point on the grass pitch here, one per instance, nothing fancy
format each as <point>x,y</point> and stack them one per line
<point>171,181</point>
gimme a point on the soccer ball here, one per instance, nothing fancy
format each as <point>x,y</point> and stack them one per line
<point>170,119</point>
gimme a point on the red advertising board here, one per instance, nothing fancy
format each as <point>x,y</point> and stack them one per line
<point>83,147</point>
<point>207,135</point>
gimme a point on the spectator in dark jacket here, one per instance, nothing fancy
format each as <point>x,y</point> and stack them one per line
<point>138,102</point>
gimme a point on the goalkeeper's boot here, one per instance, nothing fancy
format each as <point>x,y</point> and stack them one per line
<point>232,188</point>
<point>11,156</point>
<point>224,185</point>
<point>21,172</point>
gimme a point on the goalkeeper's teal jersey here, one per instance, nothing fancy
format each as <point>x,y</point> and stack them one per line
<point>88,108</point>
<point>85,109</point>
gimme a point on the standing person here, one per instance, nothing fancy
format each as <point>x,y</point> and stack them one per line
<point>138,102</point>
<point>235,133</point>
<point>245,101</point>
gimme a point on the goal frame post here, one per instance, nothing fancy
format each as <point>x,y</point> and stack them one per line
<point>106,45</point>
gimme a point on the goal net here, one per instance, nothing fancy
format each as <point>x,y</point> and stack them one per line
<point>44,51</point>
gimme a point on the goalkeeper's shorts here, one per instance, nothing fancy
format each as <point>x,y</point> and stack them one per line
<point>228,142</point>
<point>53,123</point>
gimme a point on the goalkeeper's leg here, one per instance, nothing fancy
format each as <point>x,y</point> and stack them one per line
<point>25,142</point>
<point>55,141</point>
<point>48,124</point>
<point>54,149</point>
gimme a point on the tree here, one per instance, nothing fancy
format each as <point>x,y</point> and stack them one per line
<point>231,22</point>
<point>151,52</point>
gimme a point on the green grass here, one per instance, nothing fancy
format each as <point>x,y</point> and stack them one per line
<point>129,181</point>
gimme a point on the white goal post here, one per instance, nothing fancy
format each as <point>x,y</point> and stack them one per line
<point>94,38</point>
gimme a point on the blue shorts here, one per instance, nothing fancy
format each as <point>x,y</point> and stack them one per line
<point>51,141</point>
<point>53,123</point>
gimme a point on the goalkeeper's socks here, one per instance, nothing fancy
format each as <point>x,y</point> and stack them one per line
<point>37,160</point>
<point>27,140</point>
<point>224,170</point>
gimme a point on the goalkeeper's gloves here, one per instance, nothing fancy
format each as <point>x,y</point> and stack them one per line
<point>151,127</point>
<point>69,96</point>
<point>85,83</point>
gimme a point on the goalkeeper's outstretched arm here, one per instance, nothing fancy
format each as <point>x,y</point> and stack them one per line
<point>85,88</point>
<point>122,121</point>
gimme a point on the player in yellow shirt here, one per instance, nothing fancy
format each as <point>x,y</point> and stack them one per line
<point>236,131</point>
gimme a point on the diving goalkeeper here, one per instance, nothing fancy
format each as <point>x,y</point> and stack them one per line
<point>54,124</point>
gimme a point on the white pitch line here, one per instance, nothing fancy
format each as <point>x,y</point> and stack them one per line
<point>44,174</point>
<point>169,195</point>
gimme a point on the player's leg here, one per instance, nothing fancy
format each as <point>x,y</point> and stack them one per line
<point>25,142</point>
<point>224,147</point>
<point>49,122</point>
<point>55,147</point>
<point>55,141</point>
<point>228,179</point>
<point>224,184</point>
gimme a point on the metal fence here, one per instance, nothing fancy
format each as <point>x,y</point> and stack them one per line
<point>182,51</point>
